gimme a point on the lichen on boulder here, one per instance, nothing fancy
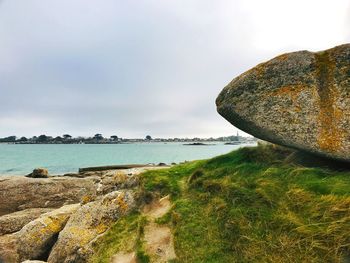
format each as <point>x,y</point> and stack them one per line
<point>35,239</point>
<point>300,100</point>
<point>75,241</point>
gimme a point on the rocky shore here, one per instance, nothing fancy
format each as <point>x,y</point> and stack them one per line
<point>59,218</point>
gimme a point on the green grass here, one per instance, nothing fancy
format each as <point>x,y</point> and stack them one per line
<point>248,206</point>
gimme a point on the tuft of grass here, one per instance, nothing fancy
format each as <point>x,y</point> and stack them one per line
<point>250,205</point>
<point>120,237</point>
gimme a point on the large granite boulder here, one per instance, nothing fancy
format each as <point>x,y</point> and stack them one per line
<point>299,100</point>
<point>75,241</point>
<point>35,239</point>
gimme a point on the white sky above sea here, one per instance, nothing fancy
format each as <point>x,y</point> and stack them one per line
<point>141,67</point>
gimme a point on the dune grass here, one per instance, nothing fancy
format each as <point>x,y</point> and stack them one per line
<point>249,206</point>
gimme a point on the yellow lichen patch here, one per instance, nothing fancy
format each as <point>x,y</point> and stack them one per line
<point>87,199</point>
<point>101,228</point>
<point>330,136</point>
<point>49,225</point>
<point>121,203</point>
<point>83,235</point>
<point>53,224</point>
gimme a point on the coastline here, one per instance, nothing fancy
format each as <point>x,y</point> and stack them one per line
<point>61,159</point>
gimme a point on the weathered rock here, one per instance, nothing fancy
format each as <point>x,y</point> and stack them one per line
<point>299,100</point>
<point>19,192</point>
<point>39,173</point>
<point>13,222</point>
<point>118,180</point>
<point>35,239</point>
<point>75,241</point>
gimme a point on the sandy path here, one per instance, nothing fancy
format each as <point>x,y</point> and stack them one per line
<point>158,239</point>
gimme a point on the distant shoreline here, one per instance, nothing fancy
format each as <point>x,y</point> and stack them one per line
<point>134,142</point>
<point>61,158</point>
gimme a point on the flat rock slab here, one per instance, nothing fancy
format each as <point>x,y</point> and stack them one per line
<point>19,192</point>
<point>300,100</point>
<point>124,257</point>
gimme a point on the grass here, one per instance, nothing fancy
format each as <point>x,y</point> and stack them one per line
<point>247,206</point>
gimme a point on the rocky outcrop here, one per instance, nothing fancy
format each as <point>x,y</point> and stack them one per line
<point>91,201</point>
<point>19,192</point>
<point>35,239</point>
<point>13,222</point>
<point>300,100</point>
<point>91,220</point>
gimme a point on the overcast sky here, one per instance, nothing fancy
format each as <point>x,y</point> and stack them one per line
<point>138,67</point>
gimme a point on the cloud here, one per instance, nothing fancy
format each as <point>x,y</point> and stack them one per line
<point>137,67</point>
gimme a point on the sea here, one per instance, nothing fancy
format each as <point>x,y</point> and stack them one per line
<point>21,159</point>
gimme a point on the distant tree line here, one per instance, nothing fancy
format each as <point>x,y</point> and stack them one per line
<point>99,139</point>
<point>65,138</point>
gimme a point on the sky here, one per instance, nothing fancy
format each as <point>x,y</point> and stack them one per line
<point>139,67</point>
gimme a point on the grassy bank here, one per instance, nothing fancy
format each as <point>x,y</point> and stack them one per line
<point>251,205</point>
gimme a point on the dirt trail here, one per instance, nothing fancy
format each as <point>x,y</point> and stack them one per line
<point>124,258</point>
<point>158,239</point>
<point>159,243</point>
<point>157,208</point>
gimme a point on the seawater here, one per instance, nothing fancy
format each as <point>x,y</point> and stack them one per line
<point>19,159</point>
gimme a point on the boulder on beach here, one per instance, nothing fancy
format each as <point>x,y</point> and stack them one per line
<point>39,173</point>
<point>299,100</point>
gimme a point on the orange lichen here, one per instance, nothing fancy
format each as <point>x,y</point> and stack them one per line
<point>293,91</point>
<point>283,57</point>
<point>330,135</point>
<point>258,70</point>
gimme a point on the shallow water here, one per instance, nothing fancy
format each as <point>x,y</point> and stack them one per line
<point>62,158</point>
